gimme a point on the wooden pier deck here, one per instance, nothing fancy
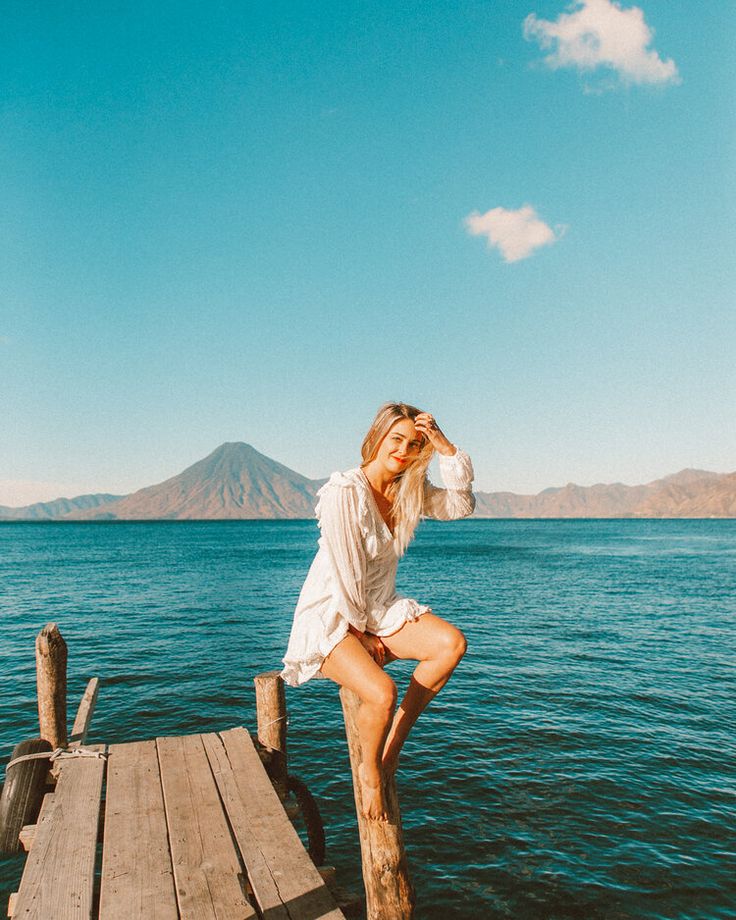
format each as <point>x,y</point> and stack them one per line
<point>188,827</point>
<point>176,827</point>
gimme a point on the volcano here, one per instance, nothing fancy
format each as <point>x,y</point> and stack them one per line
<point>235,481</point>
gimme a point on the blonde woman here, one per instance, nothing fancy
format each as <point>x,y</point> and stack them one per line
<point>349,620</point>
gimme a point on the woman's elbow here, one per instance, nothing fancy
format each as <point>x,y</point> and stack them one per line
<point>463,506</point>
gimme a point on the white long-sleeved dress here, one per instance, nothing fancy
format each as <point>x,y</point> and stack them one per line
<point>352,580</point>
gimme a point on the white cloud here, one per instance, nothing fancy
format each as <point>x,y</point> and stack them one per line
<point>515,233</point>
<point>600,33</point>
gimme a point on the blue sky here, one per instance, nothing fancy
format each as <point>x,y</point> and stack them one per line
<point>259,221</point>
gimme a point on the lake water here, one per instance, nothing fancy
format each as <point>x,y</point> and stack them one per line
<point>581,763</point>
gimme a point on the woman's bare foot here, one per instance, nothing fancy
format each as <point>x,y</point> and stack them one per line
<point>371,789</point>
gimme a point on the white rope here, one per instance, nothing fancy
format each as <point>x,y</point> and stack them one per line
<point>78,752</point>
<point>58,754</point>
<point>262,728</point>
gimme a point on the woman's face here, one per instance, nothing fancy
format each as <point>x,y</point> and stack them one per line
<point>400,447</point>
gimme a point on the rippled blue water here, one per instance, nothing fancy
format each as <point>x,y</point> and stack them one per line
<point>580,764</point>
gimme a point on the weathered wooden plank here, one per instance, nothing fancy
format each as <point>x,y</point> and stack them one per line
<point>84,714</point>
<point>208,875</point>
<point>46,805</point>
<point>261,881</point>
<point>27,836</point>
<point>266,837</point>
<point>58,877</point>
<point>137,876</point>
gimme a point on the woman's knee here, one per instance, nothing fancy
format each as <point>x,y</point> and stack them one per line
<point>453,644</point>
<point>382,694</point>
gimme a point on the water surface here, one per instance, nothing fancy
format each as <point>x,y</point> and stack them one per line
<point>580,764</point>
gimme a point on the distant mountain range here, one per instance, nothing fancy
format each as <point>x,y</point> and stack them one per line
<point>237,482</point>
<point>233,482</point>
<point>687,494</point>
<point>56,510</point>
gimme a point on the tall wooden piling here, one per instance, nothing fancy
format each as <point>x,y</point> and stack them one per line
<point>388,888</point>
<point>271,714</point>
<point>51,655</point>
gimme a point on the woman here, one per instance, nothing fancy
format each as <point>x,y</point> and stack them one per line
<point>349,620</point>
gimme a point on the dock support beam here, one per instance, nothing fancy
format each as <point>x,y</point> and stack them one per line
<point>51,655</point>
<point>271,713</point>
<point>388,889</point>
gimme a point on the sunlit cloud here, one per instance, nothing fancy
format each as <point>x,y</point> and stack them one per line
<point>602,34</point>
<point>516,234</point>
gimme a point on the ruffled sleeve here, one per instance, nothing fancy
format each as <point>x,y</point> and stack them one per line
<point>457,500</point>
<point>338,512</point>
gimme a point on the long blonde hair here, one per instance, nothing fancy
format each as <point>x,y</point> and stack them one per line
<point>406,492</point>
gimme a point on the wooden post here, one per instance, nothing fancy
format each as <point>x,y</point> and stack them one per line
<point>389,893</point>
<point>84,714</point>
<point>271,712</point>
<point>51,657</point>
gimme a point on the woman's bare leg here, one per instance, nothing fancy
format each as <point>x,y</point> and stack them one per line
<point>438,646</point>
<point>350,665</point>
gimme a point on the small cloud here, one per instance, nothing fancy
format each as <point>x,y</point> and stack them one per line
<point>600,33</point>
<point>515,233</point>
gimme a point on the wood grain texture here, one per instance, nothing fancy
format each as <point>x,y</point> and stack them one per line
<point>58,878</point>
<point>282,870</point>
<point>27,835</point>
<point>271,715</point>
<point>388,888</point>
<point>189,821</point>
<point>84,714</point>
<point>260,879</point>
<point>209,878</point>
<point>137,876</point>
<point>51,657</point>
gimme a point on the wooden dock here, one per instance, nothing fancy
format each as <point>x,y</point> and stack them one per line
<point>192,827</point>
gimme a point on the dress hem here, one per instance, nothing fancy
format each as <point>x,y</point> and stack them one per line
<point>296,673</point>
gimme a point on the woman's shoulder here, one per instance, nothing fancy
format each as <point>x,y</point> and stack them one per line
<point>339,496</point>
<point>348,479</point>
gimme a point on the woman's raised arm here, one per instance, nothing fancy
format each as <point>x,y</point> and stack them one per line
<point>457,499</point>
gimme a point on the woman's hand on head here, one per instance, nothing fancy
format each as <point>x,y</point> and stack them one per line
<point>375,648</point>
<point>426,425</point>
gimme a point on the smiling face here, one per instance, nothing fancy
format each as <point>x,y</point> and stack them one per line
<point>400,447</point>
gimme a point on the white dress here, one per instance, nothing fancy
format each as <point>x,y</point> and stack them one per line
<point>352,580</point>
